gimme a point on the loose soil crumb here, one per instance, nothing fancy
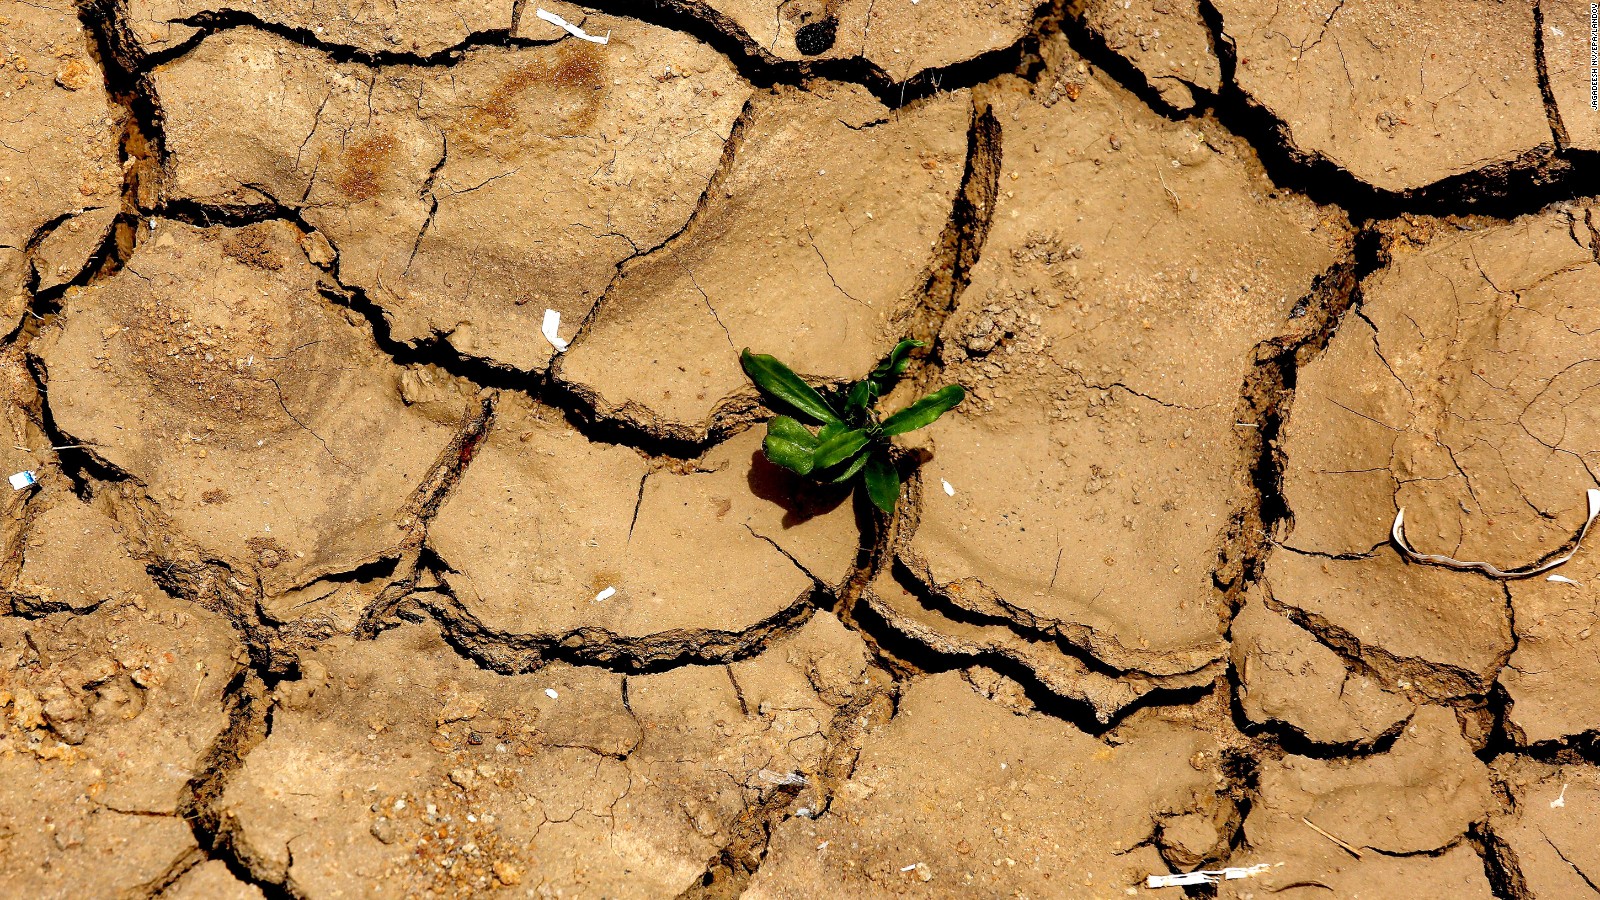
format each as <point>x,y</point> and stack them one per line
<point>105,716</point>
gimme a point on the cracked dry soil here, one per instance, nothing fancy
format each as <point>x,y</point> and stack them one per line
<point>340,581</point>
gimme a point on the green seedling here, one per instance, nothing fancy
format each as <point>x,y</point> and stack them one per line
<point>849,439</point>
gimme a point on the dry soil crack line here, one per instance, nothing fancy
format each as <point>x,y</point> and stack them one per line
<point>962,241</point>
<point>427,192</point>
<point>1552,110</point>
<point>719,175</point>
<point>290,413</point>
<point>214,22</point>
<point>827,270</point>
<point>706,299</point>
<point>1575,868</point>
<point>763,68</point>
<point>786,554</point>
<point>638,502</point>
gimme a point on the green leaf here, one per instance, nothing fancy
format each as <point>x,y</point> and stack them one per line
<point>883,482</point>
<point>777,380</point>
<point>788,429</point>
<point>850,470</point>
<point>839,448</point>
<point>895,363</point>
<point>862,393</point>
<point>790,444</point>
<point>831,430</point>
<point>925,411</point>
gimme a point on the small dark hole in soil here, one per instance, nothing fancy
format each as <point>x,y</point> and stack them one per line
<point>817,37</point>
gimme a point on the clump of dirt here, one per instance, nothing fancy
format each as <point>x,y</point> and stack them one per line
<point>390,514</point>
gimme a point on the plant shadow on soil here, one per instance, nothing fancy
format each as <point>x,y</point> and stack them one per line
<point>801,499</point>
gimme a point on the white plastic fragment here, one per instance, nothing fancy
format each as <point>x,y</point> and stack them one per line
<point>1398,535</point>
<point>23,479</point>
<point>772,777</point>
<point>908,868</point>
<point>605,594</point>
<point>1206,876</point>
<point>571,29</point>
<point>948,490</point>
<point>1561,798</point>
<point>552,328</point>
<point>1179,880</point>
<point>1562,579</point>
<point>551,693</point>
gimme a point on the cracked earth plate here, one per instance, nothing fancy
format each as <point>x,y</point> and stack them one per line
<point>1168,42</point>
<point>467,197</point>
<point>1406,810</point>
<point>60,176</point>
<point>1461,393</point>
<point>258,416</point>
<point>959,795</point>
<point>1400,95</point>
<point>1287,676</point>
<point>815,247</point>
<point>104,719</point>
<point>1096,470</point>
<point>1546,834</point>
<point>569,777</point>
<point>703,559</point>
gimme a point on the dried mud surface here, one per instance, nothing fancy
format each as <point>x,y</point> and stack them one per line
<point>340,580</point>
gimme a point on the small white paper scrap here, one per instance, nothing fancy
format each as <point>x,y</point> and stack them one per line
<point>1398,535</point>
<point>571,29</point>
<point>552,328</point>
<point>605,594</point>
<point>551,693</point>
<point>1205,876</point>
<point>1561,798</point>
<point>1562,579</point>
<point>948,490</point>
<point>22,480</point>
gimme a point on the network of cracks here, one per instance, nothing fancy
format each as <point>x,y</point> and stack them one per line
<point>340,579</point>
